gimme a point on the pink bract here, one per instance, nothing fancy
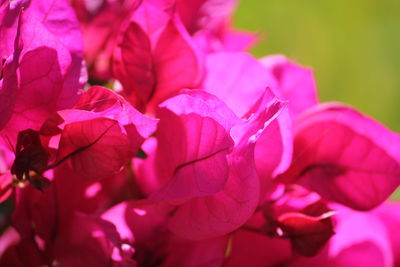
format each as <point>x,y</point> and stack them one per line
<point>48,74</point>
<point>149,54</point>
<point>227,192</point>
<point>345,156</point>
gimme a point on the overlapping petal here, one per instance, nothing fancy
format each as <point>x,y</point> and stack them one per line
<point>345,156</point>
<point>49,74</point>
<point>149,54</point>
<point>296,84</point>
<point>100,137</point>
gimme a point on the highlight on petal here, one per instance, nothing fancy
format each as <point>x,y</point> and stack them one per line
<point>60,20</point>
<point>273,151</point>
<point>194,135</point>
<point>345,156</point>
<point>236,78</point>
<point>49,76</point>
<point>228,209</point>
<point>389,214</point>
<point>237,40</point>
<point>296,84</point>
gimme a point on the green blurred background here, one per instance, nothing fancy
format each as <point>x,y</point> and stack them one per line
<point>352,45</point>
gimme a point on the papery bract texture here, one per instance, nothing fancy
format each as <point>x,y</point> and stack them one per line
<point>236,78</point>
<point>8,87</point>
<point>101,21</point>
<point>239,79</point>
<point>195,153</point>
<point>149,54</point>
<point>210,199</point>
<point>194,135</point>
<point>101,135</point>
<point>345,156</point>
<point>49,75</point>
<point>295,83</point>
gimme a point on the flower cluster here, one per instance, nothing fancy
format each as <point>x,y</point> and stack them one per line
<point>185,151</point>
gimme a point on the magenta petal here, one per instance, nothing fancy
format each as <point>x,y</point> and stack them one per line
<point>134,66</point>
<point>175,55</point>
<point>204,104</point>
<point>194,135</point>
<point>55,67</point>
<point>100,102</point>
<point>60,20</point>
<point>154,47</point>
<point>9,17</point>
<point>389,214</point>
<point>296,84</point>
<point>307,234</point>
<point>345,156</point>
<point>228,209</point>
<point>106,103</point>
<point>98,147</point>
<point>236,78</point>
<point>239,79</point>
<point>8,68</point>
<point>8,90</point>
<point>88,241</point>
<point>358,235</point>
<point>101,136</point>
<point>221,213</point>
<point>234,40</point>
<point>274,149</point>
<point>199,165</point>
<point>49,76</point>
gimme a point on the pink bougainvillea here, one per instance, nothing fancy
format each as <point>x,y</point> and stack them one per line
<point>140,133</point>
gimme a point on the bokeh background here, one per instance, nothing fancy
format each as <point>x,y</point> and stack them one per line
<point>353,47</point>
